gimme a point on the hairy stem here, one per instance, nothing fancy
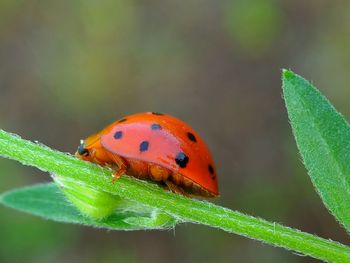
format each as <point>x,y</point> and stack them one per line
<point>182,208</point>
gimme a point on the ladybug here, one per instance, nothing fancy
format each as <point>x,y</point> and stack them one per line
<point>156,147</point>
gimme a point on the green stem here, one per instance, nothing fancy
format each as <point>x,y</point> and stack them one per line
<point>182,208</point>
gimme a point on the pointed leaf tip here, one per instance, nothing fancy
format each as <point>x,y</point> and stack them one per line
<point>287,73</point>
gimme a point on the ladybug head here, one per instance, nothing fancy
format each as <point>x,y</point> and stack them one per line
<point>82,152</point>
<point>91,150</point>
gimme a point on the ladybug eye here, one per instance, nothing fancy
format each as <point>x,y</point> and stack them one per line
<point>82,150</point>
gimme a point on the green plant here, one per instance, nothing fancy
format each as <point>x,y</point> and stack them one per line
<point>322,135</point>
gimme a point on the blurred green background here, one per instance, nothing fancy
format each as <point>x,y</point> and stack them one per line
<point>68,68</point>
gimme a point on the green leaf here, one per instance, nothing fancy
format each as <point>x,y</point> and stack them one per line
<point>183,209</point>
<point>323,138</point>
<point>47,201</point>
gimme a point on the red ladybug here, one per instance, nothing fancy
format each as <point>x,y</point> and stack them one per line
<point>158,147</point>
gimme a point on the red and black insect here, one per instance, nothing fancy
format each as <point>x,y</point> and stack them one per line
<point>158,147</point>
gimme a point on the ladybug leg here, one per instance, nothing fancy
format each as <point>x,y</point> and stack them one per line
<point>158,173</point>
<point>122,166</point>
<point>175,188</point>
<point>118,173</point>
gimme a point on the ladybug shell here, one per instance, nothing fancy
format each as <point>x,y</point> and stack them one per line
<point>165,141</point>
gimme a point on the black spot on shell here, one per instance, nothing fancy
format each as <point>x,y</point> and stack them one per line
<point>181,159</point>
<point>191,137</point>
<point>144,146</point>
<point>118,135</point>
<point>157,113</point>
<point>210,169</point>
<point>156,126</point>
<point>122,120</point>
